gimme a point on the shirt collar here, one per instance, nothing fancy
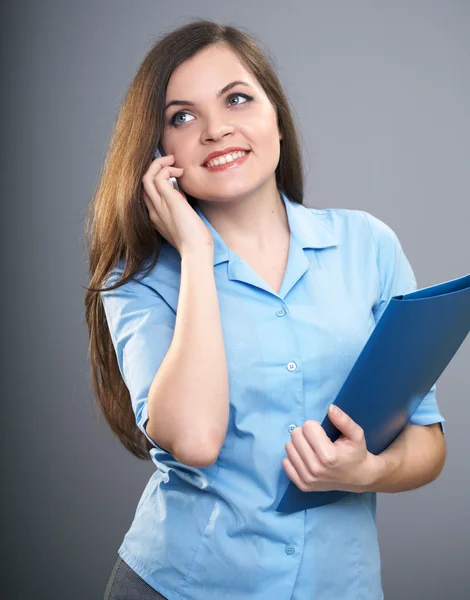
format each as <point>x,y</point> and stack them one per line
<point>308,226</point>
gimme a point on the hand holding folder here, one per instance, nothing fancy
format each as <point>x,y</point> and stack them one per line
<point>413,342</point>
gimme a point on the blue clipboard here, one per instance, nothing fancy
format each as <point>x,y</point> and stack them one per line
<point>406,353</point>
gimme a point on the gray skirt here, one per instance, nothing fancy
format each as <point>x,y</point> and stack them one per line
<point>125,584</point>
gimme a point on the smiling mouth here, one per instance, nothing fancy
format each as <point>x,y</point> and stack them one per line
<point>229,164</point>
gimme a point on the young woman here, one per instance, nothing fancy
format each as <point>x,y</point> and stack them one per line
<point>224,319</point>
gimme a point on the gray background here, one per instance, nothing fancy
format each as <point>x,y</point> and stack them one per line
<point>381,92</point>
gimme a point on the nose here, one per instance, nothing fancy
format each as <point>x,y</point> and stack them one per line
<point>216,129</point>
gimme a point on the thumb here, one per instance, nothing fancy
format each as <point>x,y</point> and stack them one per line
<point>344,423</point>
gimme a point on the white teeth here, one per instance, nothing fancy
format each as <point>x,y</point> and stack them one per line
<point>221,160</point>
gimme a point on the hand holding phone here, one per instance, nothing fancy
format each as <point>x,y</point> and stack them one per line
<point>170,212</point>
<point>158,154</point>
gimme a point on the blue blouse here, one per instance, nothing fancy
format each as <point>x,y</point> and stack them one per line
<point>213,533</point>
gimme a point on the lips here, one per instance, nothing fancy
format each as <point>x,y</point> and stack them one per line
<point>232,164</point>
<point>222,152</point>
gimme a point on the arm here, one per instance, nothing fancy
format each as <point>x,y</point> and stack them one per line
<point>416,457</point>
<point>188,403</point>
<point>172,359</point>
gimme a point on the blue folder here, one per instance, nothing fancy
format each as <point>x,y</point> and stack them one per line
<point>411,345</point>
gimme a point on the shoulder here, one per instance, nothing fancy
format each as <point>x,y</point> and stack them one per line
<point>162,279</point>
<point>381,231</point>
<point>353,224</point>
<point>360,234</point>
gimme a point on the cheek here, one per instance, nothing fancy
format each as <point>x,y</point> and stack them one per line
<point>166,141</point>
<point>263,135</point>
<point>267,144</point>
<point>180,145</point>
<point>262,128</point>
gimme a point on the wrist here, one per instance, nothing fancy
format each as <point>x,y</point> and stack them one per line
<point>200,254</point>
<point>373,472</point>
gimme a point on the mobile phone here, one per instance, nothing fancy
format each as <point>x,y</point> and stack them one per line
<point>158,154</point>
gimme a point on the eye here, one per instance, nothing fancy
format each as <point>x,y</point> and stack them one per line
<point>245,96</point>
<point>173,122</point>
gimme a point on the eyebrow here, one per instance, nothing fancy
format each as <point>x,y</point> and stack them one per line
<point>228,87</point>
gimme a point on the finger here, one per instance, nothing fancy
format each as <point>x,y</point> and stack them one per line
<point>162,179</point>
<point>153,187</point>
<point>306,467</point>
<point>161,161</point>
<point>150,207</point>
<point>345,424</point>
<point>320,443</point>
<point>292,474</point>
<point>151,198</point>
<point>166,172</point>
<point>156,166</point>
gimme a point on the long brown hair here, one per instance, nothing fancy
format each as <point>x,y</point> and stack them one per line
<point>118,225</point>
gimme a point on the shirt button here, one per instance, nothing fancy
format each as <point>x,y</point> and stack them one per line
<point>291,427</point>
<point>292,366</point>
<point>281,312</point>
<point>290,549</point>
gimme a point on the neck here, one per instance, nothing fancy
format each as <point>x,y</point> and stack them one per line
<point>257,221</point>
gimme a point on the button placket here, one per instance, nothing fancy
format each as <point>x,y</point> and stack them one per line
<point>291,366</point>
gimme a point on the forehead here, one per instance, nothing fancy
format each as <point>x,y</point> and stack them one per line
<point>206,73</point>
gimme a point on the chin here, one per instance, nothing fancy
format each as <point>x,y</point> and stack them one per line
<point>219,191</point>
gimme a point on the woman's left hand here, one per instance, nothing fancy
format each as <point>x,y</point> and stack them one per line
<point>315,463</point>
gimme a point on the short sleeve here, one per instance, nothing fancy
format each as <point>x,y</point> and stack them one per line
<point>396,276</point>
<point>141,325</point>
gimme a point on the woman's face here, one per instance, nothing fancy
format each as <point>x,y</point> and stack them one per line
<point>242,117</point>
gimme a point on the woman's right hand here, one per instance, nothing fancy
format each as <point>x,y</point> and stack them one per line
<point>169,210</point>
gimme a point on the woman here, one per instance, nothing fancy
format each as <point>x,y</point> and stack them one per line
<point>224,319</point>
